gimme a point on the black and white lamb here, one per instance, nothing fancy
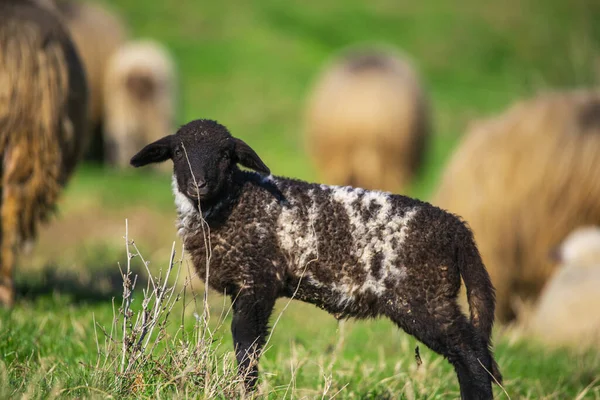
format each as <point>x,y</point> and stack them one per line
<point>352,252</point>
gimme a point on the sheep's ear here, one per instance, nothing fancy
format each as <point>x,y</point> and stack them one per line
<point>155,152</point>
<point>248,157</point>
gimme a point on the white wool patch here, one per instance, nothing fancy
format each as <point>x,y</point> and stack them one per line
<point>378,235</point>
<point>382,234</point>
<point>183,204</point>
<point>187,213</point>
<point>298,237</point>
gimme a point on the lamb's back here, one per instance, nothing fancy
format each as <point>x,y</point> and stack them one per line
<point>355,245</point>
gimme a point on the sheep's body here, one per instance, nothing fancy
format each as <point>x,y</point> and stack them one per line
<point>352,252</point>
<point>140,99</point>
<point>562,315</point>
<point>43,116</point>
<point>368,120</point>
<point>524,180</point>
<point>352,248</point>
<point>97,32</point>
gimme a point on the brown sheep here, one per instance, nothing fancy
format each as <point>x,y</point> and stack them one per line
<point>367,120</point>
<point>523,181</point>
<point>562,315</point>
<point>43,122</point>
<point>140,99</point>
<point>98,32</point>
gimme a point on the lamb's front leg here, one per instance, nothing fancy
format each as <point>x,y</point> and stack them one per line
<point>251,312</point>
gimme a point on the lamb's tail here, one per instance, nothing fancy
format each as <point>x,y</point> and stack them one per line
<point>480,294</point>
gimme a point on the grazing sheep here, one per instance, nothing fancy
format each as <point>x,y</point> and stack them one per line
<point>524,180</point>
<point>368,120</point>
<point>139,99</point>
<point>98,32</point>
<point>352,252</point>
<point>43,118</point>
<point>562,315</point>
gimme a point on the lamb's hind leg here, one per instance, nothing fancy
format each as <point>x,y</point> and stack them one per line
<point>447,331</point>
<point>249,328</point>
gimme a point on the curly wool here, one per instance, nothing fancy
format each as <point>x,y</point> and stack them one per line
<point>350,251</point>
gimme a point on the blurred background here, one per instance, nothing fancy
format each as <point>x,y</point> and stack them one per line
<point>257,67</point>
<point>252,66</point>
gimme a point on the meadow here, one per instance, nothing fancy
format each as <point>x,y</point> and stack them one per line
<point>250,65</point>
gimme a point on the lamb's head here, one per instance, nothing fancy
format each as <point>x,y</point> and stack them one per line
<point>581,248</point>
<point>204,156</point>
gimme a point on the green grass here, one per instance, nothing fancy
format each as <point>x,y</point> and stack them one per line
<point>49,346</point>
<point>250,65</point>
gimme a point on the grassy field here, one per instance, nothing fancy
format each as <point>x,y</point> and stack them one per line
<point>250,65</point>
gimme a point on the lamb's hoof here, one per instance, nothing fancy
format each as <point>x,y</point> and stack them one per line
<point>7,295</point>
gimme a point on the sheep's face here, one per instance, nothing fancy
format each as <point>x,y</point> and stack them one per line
<point>204,156</point>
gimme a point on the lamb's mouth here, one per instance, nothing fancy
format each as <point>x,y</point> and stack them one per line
<point>196,193</point>
<point>192,194</point>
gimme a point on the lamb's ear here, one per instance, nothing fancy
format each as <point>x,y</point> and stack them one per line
<point>248,157</point>
<point>155,152</point>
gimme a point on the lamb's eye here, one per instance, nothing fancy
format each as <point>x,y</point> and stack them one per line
<point>225,156</point>
<point>178,153</point>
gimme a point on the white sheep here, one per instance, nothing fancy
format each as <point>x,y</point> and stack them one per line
<point>367,120</point>
<point>566,313</point>
<point>140,99</point>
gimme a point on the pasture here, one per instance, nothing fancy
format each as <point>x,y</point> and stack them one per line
<point>250,66</point>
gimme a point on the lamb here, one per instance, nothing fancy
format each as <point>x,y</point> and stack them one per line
<point>367,120</point>
<point>43,120</point>
<point>140,99</point>
<point>562,315</point>
<point>351,252</point>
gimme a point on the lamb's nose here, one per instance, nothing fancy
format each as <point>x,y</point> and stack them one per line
<point>198,183</point>
<point>197,187</point>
